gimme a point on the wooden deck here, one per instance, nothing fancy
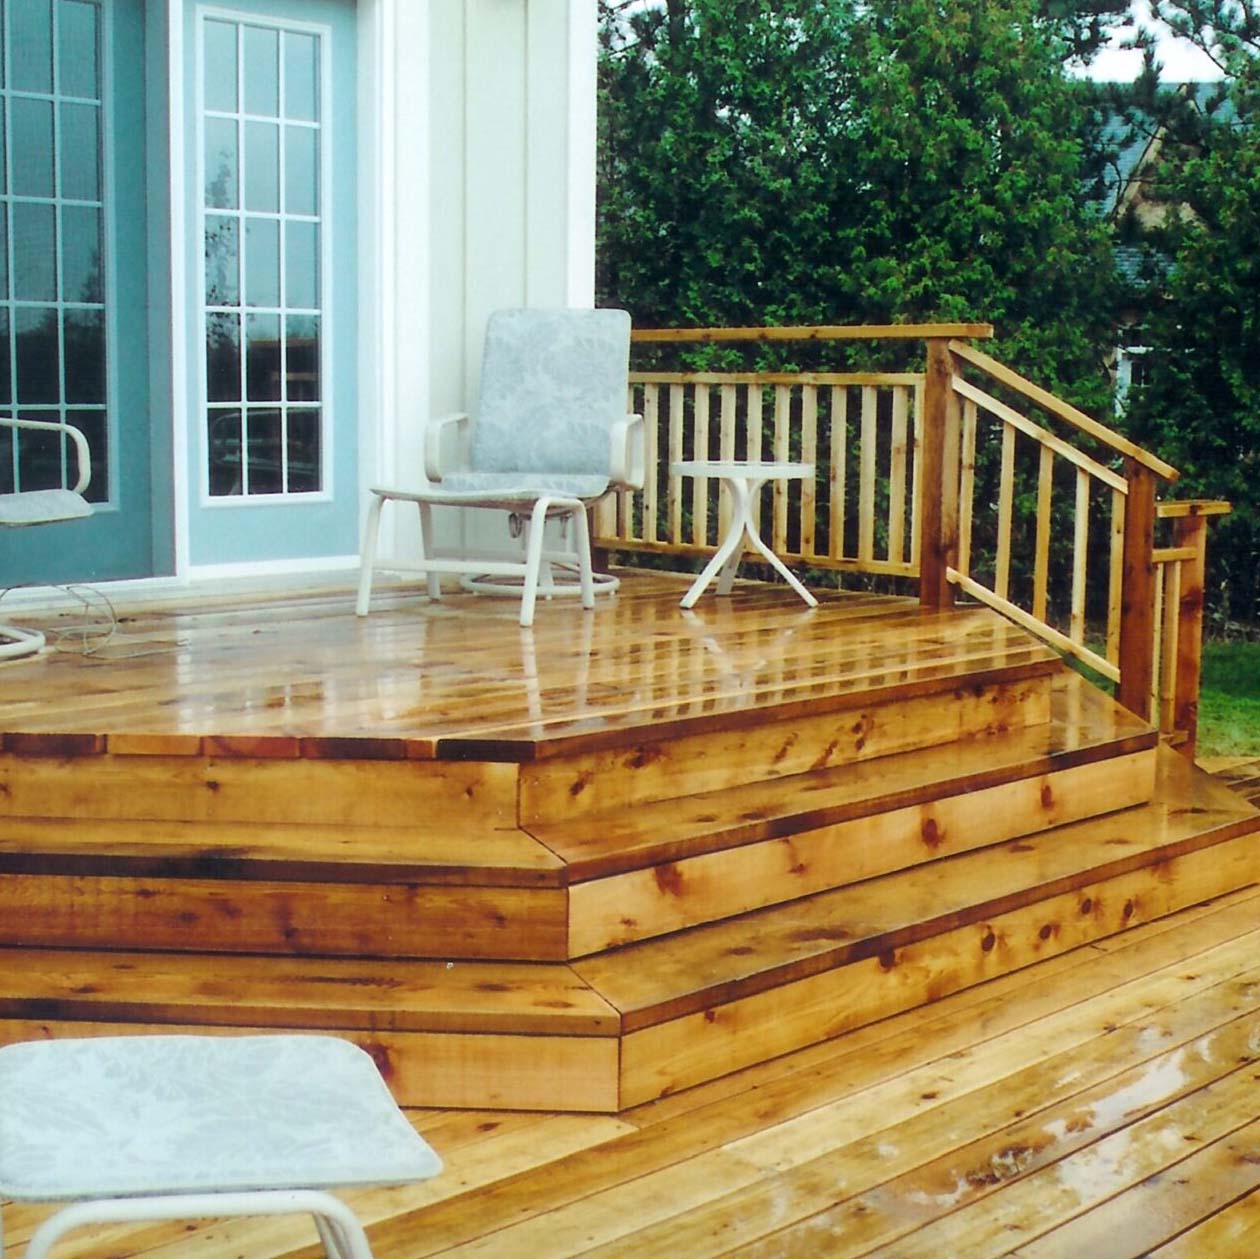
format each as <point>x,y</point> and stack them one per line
<point>869,930</point>
<point>1101,1103</point>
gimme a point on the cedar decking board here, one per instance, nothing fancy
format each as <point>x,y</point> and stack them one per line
<point>588,866</point>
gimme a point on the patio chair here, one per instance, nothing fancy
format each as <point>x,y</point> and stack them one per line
<point>42,507</point>
<point>550,439</point>
<point>131,1128</point>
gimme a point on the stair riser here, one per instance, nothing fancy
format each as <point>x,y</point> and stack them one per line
<point>449,796</point>
<point>340,920</point>
<point>642,904</point>
<point>682,1052</point>
<point>480,1072</point>
<point>574,786</point>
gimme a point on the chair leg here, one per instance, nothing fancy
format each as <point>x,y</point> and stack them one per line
<point>583,542</point>
<point>367,561</point>
<point>533,560</point>
<point>433,581</point>
<point>338,1226</point>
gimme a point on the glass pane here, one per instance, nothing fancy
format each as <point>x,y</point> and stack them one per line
<point>303,444</point>
<point>4,165</point>
<point>223,432</point>
<point>219,54</point>
<point>80,152</point>
<point>93,427</point>
<point>82,272</point>
<point>301,371</point>
<point>223,358</point>
<point>262,166</point>
<point>301,170</point>
<point>39,455</point>
<point>266,473</point>
<point>32,123</point>
<point>223,247</point>
<point>262,262</point>
<point>262,72</point>
<point>38,366</point>
<point>301,76</point>
<point>7,455</point>
<point>30,44</point>
<point>301,266</point>
<point>77,57</point>
<point>4,256</point>
<point>6,372</point>
<point>34,252</point>
<point>85,356</point>
<point>222,161</point>
<point>262,357</point>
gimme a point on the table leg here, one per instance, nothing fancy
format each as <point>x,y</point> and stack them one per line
<point>729,553</point>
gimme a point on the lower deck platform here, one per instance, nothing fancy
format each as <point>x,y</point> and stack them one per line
<point>1103,1102</point>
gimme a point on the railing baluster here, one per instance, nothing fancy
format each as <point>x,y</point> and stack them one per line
<point>809,454</point>
<point>700,449</point>
<point>1171,647</point>
<point>866,482</point>
<point>1115,577</point>
<point>1041,561</point>
<point>967,485</point>
<point>838,456</point>
<point>677,412</point>
<point>782,446</point>
<point>1006,502</point>
<point>726,448</point>
<point>1080,557</point>
<point>651,422</point>
<point>897,476</point>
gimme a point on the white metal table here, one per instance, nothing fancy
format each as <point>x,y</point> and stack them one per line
<point>182,1127</point>
<point>744,479</point>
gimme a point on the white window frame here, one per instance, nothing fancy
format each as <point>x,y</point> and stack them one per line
<point>197,307</point>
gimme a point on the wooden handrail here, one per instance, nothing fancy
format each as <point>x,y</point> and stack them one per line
<point>1065,411</point>
<point>817,332</point>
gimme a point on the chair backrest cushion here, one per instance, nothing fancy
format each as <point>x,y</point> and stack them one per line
<point>552,382</point>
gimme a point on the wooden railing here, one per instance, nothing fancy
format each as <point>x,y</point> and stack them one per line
<point>964,476</point>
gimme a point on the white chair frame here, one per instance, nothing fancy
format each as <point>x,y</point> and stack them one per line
<point>45,507</point>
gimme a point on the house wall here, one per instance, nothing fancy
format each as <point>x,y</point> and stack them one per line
<point>495,199</point>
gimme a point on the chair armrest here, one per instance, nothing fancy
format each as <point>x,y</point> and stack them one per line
<point>83,456</point>
<point>434,432</point>
<point>626,455</point>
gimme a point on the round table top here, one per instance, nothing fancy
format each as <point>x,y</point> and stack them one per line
<point>749,469</point>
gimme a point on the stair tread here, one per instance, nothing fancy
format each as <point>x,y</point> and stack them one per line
<point>669,976</point>
<point>498,857</point>
<point>911,651</point>
<point>520,997</point>
<point>1086,726</point>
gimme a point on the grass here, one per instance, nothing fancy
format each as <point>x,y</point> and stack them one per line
<point>1229,700</point>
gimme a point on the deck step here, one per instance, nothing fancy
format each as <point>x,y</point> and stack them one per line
<point>569,889</point>
<point>708,1001</point>
<point>646,1019</point>
<point>661,867</point>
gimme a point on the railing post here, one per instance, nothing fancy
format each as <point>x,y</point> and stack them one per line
<point>1189,531</point>
<point>938,545</point>
<point>1137,592</point>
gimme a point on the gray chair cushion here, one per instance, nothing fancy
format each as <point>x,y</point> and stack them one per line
<point>42,507</point>
<point>552,384</point>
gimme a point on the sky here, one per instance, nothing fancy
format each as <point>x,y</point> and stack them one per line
<point>1182,61</point>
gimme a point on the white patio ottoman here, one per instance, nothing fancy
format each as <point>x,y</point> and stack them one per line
<point>133,1128</point>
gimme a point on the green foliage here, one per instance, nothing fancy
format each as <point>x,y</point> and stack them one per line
<point>827,161</point>
<point>1199,404</point>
